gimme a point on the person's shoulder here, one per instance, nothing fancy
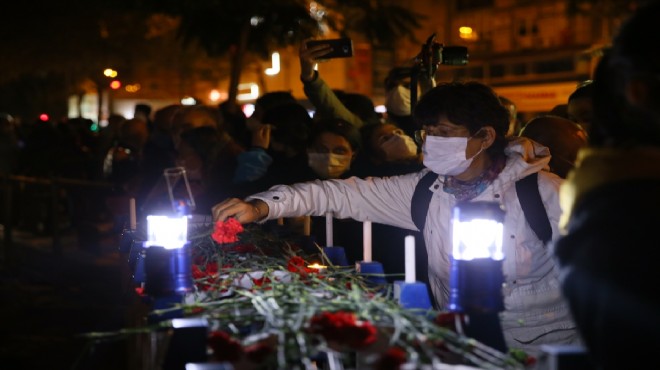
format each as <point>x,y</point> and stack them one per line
<point>549,179</point>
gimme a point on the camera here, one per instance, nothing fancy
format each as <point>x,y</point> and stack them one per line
<point>433,54</point>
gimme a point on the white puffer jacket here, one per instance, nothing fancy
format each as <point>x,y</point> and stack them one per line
<point>535,312</point>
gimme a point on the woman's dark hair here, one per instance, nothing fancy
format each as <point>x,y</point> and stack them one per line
<point>470,104</point>
<point>339,127</point>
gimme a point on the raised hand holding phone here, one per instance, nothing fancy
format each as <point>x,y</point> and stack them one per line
<point>313,52</point>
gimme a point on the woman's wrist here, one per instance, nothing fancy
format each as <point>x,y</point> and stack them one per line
<point>260,208</point>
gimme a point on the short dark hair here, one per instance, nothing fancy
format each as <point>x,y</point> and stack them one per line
<point>292,124</point>
<point>584,90</point>
<point>274,98</point>
<point>339,127</point>
<point>470,104</point>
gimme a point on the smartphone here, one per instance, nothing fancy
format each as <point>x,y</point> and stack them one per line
<point>341,48</point>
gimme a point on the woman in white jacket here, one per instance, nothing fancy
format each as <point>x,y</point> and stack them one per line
<point>464,142</point>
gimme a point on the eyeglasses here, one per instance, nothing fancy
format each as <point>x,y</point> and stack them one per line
<point>420,135</point>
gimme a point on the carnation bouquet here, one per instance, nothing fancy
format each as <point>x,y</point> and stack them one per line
<point>274,302</point>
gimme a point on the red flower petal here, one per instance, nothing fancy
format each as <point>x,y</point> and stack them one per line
<point>224,347</point>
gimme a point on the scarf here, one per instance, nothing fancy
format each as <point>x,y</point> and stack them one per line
<point>466,190</point>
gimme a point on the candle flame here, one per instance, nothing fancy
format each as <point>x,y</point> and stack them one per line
<point>317,266</point>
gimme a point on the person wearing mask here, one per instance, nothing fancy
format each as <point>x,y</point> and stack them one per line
<point>386,151</point>
<point>611,201</point>
<point>334,144</point>
<point>278,154</point>
<point>464,143</point>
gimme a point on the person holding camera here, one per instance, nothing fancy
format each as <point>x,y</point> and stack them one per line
<point>468,158</point>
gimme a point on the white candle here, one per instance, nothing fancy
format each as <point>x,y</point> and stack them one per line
<point>132,214</point>
<point>410,259</point>
<point>307,225</point>
<point>328,230</point>
<point>366,238</point>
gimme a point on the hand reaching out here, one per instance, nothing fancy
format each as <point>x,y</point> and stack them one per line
<point>243,212</point>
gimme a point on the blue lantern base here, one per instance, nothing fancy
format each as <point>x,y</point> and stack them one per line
<point>487,329</point>
<point>372,271</point>
<point>336,255</point>
<point>412,295</point>
<point>476,290</point>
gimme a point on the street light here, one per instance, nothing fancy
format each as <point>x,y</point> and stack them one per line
<point>476,273</point>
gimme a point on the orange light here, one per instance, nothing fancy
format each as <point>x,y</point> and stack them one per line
<point>115,84</point>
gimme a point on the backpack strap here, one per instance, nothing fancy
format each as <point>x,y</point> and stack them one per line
<point>530,200</point>
<point>527,190</point>
<point>421,199</point>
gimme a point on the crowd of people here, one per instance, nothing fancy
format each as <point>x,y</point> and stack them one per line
<point>594,158</point>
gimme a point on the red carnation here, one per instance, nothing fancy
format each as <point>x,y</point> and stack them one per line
<point>392,359</point>
<point>224,347</point>
<point>258,352</point>
<point>299,265</point>
<point>448,320</point>
<point>227,231</point>
<point>207,277</point>
<point>262,283</point>
<point>343,327</point>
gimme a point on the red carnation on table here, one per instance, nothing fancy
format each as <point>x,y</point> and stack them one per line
<point>448,320</point>
<point>224,347</point>
<point>299,265</point>
<point>227,231</point>
<point>392,359</point>
<point>258,352</point>
<point>343,327</point>
<point>210,270</point>
<point>208,279</point>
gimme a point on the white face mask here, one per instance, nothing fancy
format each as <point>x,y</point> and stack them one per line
<point>399,146</point>
<point>397,101</point>
<point>446,155</point>
<point>328,165</point>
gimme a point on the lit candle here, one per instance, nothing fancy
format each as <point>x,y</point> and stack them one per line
<point>307,225</point>
<point>366,238</point>
<point>328,230</point>
<point>410,259</point>
<point>317,266</point>
<point>132,214</point>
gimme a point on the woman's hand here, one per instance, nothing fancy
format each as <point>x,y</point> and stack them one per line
<point>243,212</point>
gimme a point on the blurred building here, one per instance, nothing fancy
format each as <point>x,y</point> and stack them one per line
<point>533,52</point>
